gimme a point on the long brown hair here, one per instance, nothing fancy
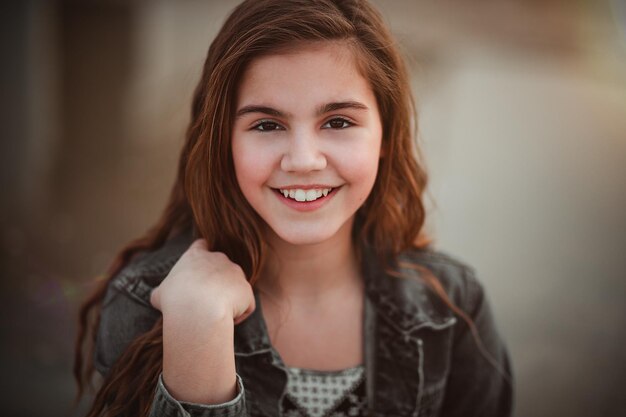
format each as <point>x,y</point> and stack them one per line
<point>206,195</point>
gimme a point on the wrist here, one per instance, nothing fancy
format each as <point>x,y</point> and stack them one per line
<point>199,360</point>
<point>188,311</point>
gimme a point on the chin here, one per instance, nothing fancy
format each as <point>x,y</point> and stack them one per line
<point>305,237</point>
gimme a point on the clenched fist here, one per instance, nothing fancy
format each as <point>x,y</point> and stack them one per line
<point>204,284</point>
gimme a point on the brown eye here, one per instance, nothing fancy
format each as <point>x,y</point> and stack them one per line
<point>337,123</point>
<point>267,126</point>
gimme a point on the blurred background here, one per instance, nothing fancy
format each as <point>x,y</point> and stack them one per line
<point>522,108</point>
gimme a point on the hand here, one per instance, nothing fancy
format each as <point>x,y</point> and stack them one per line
<point>204,285</point>
<point>201,298</point>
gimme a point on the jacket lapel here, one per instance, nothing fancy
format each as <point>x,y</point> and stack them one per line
<point>393,365</point>
<point>395,311</point>
<point>259,365</point>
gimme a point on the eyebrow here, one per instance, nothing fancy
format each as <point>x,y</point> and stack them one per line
<point>323,109</point>
<point>326,108</point>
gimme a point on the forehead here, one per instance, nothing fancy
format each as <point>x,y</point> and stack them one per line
<point>304,75</point>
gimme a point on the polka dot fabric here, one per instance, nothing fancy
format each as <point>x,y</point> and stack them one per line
<point>312,393</point>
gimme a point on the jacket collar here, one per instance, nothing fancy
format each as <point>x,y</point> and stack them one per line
<point>406,304</point>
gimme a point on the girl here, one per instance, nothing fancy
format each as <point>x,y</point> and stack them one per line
<point>289,274</point>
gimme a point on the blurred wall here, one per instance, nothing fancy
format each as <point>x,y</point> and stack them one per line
<point>522,121</point>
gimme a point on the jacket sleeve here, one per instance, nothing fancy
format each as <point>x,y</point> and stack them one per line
<point>164,405</point>
<point>122,319</point>
<point>480,382</point>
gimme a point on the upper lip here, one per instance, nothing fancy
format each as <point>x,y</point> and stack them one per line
<point>305,187</point>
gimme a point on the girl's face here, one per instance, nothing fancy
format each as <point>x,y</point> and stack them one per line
<point>306,140</point>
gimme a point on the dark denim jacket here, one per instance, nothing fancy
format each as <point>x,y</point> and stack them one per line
<point>420,360</point>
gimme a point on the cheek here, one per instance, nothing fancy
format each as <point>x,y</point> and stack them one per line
<point>367,172</point>
<point>359,166</point>
<point>252,164</point>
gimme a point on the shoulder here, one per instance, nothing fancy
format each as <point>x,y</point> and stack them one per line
<point>457,277</point>
<point>406,290</point>
<point>480,374</point>
<point>126,311</point>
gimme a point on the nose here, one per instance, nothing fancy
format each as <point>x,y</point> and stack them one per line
<point>303,154</point>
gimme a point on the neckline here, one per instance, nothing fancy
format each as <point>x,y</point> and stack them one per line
<point>308,371</point>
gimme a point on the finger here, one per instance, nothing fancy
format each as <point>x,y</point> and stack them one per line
<point>240,319</point>
<point>243,316</point>
<point>155,298</point>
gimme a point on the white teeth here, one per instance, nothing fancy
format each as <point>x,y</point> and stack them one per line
<point>311,195</point>
<point>305,195</point>
<point>300,195</point>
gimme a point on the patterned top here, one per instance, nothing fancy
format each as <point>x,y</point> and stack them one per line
<point>312,393</point>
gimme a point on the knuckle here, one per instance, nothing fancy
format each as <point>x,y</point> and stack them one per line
<point>237,268</point>
<point>219,256</point>
<point>198,242</point>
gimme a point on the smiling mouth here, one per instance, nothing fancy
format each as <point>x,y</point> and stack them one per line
<point>305,196</point>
